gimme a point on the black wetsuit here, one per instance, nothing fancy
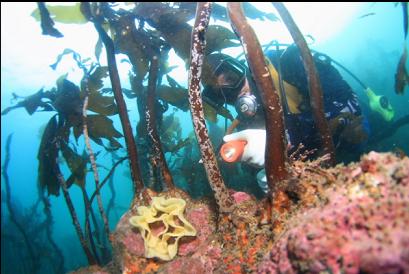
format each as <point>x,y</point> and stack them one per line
<point>337,94</point>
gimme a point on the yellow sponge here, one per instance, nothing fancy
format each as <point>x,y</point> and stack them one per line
<point>168,213</point>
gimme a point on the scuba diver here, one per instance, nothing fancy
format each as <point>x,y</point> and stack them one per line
<point>232,84</point>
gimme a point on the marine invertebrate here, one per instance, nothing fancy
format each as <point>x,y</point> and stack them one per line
<point>161,225</point>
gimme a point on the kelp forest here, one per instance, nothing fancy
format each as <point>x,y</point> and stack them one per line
<point>190,211</point>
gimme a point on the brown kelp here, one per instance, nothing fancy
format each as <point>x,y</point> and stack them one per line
<point>87,226</point>
<point>223,199</point>
<point>112,190</point>
<point>85,85</point>
<point>90,257</point>
<point>47,24</point>
<point>134,39</point>
<point>275,163</point>
<point>33,264</point>
<point>116,87</point>
<point>16,253</point>
<point>48,154</point>
<point>158,155</point>
<point>401,75</point>
<point>315,90</point>
<point>78,163</point>
<point>33,102</point>
<point>48,230</point>
<point>107,177</point>
<point>275,150</point>
<point>66,100</point>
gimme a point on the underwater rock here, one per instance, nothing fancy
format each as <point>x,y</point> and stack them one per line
<point>129,250</point>
<point>361,228</point>
<point>93,269</point>
<point>199,218</point>
<point>205,260</point>
<point>346,219</point>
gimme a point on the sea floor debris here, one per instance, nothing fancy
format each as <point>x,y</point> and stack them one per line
<point>346,219</point>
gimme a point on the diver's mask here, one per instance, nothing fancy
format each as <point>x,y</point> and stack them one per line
<point>231,77</point>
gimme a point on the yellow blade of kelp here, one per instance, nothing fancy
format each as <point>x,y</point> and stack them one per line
<point>66,14</point>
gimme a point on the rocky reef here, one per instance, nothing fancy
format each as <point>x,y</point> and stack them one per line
<point>362,227</point>
<point>346,219</point>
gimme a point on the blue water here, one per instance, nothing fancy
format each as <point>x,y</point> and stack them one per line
<point>370,47</point>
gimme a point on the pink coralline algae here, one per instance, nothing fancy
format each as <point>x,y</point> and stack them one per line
<point>240,197</point>
<point>127,239</point>
<point>362,228</point>
<point>206,260</point>
<point>201,254</point>
<point>199,217</point>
